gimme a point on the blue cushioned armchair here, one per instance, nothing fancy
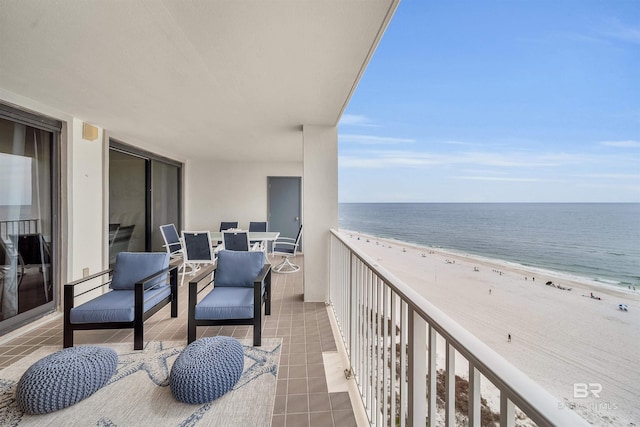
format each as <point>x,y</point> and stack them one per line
<point>242,285</point>
<point>138,289</point>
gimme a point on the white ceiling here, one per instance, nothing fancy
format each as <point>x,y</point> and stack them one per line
<point>215,79</point>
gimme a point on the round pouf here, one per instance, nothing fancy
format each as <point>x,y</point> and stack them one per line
<point>64,378</point>
<point>206,369</point>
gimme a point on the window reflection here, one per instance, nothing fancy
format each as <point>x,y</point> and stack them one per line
<point>25,218</point>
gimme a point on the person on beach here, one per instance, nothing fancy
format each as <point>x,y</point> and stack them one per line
<point>508,337</point>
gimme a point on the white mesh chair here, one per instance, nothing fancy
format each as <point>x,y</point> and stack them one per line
<point>286,247</point>
<point>197,250</point>
<point>235,240</point>
<point>173,244</point>
<point>262,227</point>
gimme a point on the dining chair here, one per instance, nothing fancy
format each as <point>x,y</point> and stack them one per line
<point>197,250</point>
<point>226,225</point>
<point>286,247</point>
<point>258,227</point>
<point>173,245</point>
<point>236,240</point>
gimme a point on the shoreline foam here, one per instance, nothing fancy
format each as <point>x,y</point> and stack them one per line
<point>560,338</point>
<point>602,283</point>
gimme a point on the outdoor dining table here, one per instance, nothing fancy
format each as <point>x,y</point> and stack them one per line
<point>253,235</point>
<point>263,236</point>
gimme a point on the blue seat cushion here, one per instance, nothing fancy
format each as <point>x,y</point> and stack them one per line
<point>132,267</point>
<point>236,268</point>
<point>226,303</point>
<point>116,306</point>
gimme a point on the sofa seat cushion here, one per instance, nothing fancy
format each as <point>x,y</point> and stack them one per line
<point>116,306</point>
<point>226,303</point>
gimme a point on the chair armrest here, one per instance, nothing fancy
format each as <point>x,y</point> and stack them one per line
<point>68,299</point>
<point>85,279</point>
<point>262,274</point>
<point>204,272</point>
<point>275,246</point>
<point>284,244</point>
<point>146,280</point>
<point>280,239</point>
<point>69,287</point>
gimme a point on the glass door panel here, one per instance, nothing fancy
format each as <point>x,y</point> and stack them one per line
<point>127,203</point>
<point>165,197</point>
<point>144,193</point>
<point>26,225</point>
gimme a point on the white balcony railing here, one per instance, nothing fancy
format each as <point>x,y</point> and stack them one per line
<point>393,337</point>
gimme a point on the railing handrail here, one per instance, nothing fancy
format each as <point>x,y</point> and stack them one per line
<point>542,407</point>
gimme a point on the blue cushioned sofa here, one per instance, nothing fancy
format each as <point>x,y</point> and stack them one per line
<point>138,289</point>
<point>242,286</point>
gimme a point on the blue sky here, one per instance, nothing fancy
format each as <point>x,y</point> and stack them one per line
<point>498,101</point>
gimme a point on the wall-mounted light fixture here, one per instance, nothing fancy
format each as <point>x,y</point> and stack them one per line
<point>89,132</point>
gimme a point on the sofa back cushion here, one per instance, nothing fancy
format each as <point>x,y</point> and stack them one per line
<point>238,268</point>
<point>132,267</point>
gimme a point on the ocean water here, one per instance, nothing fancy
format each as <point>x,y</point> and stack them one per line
<point>596,241</point>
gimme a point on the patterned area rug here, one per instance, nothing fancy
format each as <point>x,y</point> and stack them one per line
<point>138,394</point>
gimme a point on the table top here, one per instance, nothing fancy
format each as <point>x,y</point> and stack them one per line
<point>253,235</point>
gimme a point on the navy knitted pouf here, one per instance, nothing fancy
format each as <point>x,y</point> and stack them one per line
<point>64,378</point>
<point>206,369</point>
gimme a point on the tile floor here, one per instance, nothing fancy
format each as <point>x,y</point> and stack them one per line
<point>302,397</point>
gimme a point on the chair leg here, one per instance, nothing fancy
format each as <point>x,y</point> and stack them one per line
<point>191,315</point>
<point>67,330</point>
<point>257,331</point>
<point>67,338</point>
<point>191,331</point>
<point>173,279</point>
<point>138,335</point>
<point>184,273</point>
<point>286,266</point>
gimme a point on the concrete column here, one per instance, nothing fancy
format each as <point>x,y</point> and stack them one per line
<point>319,206</point>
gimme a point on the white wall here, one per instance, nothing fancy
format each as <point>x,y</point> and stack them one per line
<point>85,189</point>
<point>218,191</point>
<point>320,207</point>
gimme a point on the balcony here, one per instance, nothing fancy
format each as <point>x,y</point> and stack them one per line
<point>303,394</point>
<point>364,298</point>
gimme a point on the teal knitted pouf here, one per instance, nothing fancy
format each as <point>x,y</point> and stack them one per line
<point>65,378</point>
<point>206,369</point>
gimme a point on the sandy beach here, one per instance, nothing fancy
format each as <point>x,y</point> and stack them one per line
<point>559,337</point>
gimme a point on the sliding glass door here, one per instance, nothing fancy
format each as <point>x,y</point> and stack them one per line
<point>165,197</point>
<point>28,181</point>
<point>144,193</point>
